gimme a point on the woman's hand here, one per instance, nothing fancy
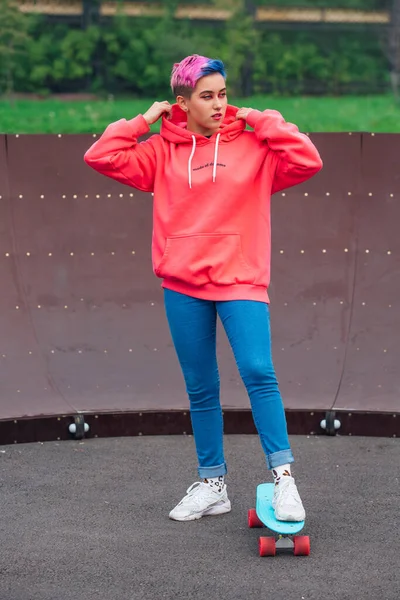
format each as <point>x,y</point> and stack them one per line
<point>156,110</point>
<point>243,113</point>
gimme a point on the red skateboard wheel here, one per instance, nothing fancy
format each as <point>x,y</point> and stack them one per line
<point>301,545</point>
<point>253,519</point>
<point>266,546</point>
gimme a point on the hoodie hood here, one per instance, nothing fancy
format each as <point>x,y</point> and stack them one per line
<point>174,129</point>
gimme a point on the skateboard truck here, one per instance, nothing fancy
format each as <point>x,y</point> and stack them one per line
<point>284,544</point>
<point>299,545</point>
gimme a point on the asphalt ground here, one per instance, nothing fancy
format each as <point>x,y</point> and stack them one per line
<point>90,520</point>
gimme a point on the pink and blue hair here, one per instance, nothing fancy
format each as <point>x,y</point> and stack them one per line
<point>186,73</point>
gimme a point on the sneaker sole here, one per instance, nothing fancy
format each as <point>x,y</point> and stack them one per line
<point>290,518</point>
<point>210,512</point>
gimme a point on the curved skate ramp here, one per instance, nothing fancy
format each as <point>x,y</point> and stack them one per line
<point>82,323</point>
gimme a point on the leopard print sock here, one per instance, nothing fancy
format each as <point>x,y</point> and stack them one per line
<point>281,471</point>
<point>217,483</point>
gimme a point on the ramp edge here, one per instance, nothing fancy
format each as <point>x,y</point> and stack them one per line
<point>177,422</point>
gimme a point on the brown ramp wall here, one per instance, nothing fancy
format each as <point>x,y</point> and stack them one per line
<point>81,313</point>
<point>371,379</point>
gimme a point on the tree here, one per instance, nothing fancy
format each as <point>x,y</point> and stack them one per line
<point>248,59</point>
<point>90,13</point>
<point>242,40</point>
<point>14,40</point>
<point>393,47</point>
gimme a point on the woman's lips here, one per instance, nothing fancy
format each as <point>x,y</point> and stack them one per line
<point>217,116</point>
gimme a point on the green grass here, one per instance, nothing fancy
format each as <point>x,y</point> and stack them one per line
<point>346,113</point>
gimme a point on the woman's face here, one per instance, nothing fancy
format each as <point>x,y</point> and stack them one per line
<point>206,107</point>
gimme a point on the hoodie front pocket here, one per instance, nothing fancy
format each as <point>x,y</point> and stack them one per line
<point>205,258</point>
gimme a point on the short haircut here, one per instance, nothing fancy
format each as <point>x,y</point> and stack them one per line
<point>186,73</point>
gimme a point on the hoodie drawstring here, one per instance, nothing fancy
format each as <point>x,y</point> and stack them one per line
<point>216,158</point>
<point>190,161</point>
<point>214,175</point>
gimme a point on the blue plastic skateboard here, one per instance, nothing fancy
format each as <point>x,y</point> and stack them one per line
<point>286,540</point>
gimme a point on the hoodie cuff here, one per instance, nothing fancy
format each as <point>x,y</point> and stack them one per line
<point>253,117</point>
<point>139,125</point>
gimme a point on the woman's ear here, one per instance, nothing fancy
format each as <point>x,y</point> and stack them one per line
<point>181,101</point>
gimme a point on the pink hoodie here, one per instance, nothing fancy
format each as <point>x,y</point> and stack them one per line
<point>212,196</point>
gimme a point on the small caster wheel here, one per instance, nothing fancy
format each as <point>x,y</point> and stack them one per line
<point>301,545</point>
<point>253,519</point>
<point>266,546</point>
<point>79,427</point>
<point>72,428</point>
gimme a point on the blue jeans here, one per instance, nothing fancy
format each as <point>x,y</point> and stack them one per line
<point>193,324</point>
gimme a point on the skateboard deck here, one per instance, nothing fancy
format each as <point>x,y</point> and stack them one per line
<point>286,531</point>
<point>266,513</point>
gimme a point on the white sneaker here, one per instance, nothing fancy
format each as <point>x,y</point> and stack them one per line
<point>200,501</point>
<point>287,502</point>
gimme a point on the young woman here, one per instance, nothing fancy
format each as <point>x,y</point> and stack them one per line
<point>212,181</point>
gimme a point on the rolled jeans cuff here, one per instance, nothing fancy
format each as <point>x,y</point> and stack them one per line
<point>206,472</point>
<point>277,459</point>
